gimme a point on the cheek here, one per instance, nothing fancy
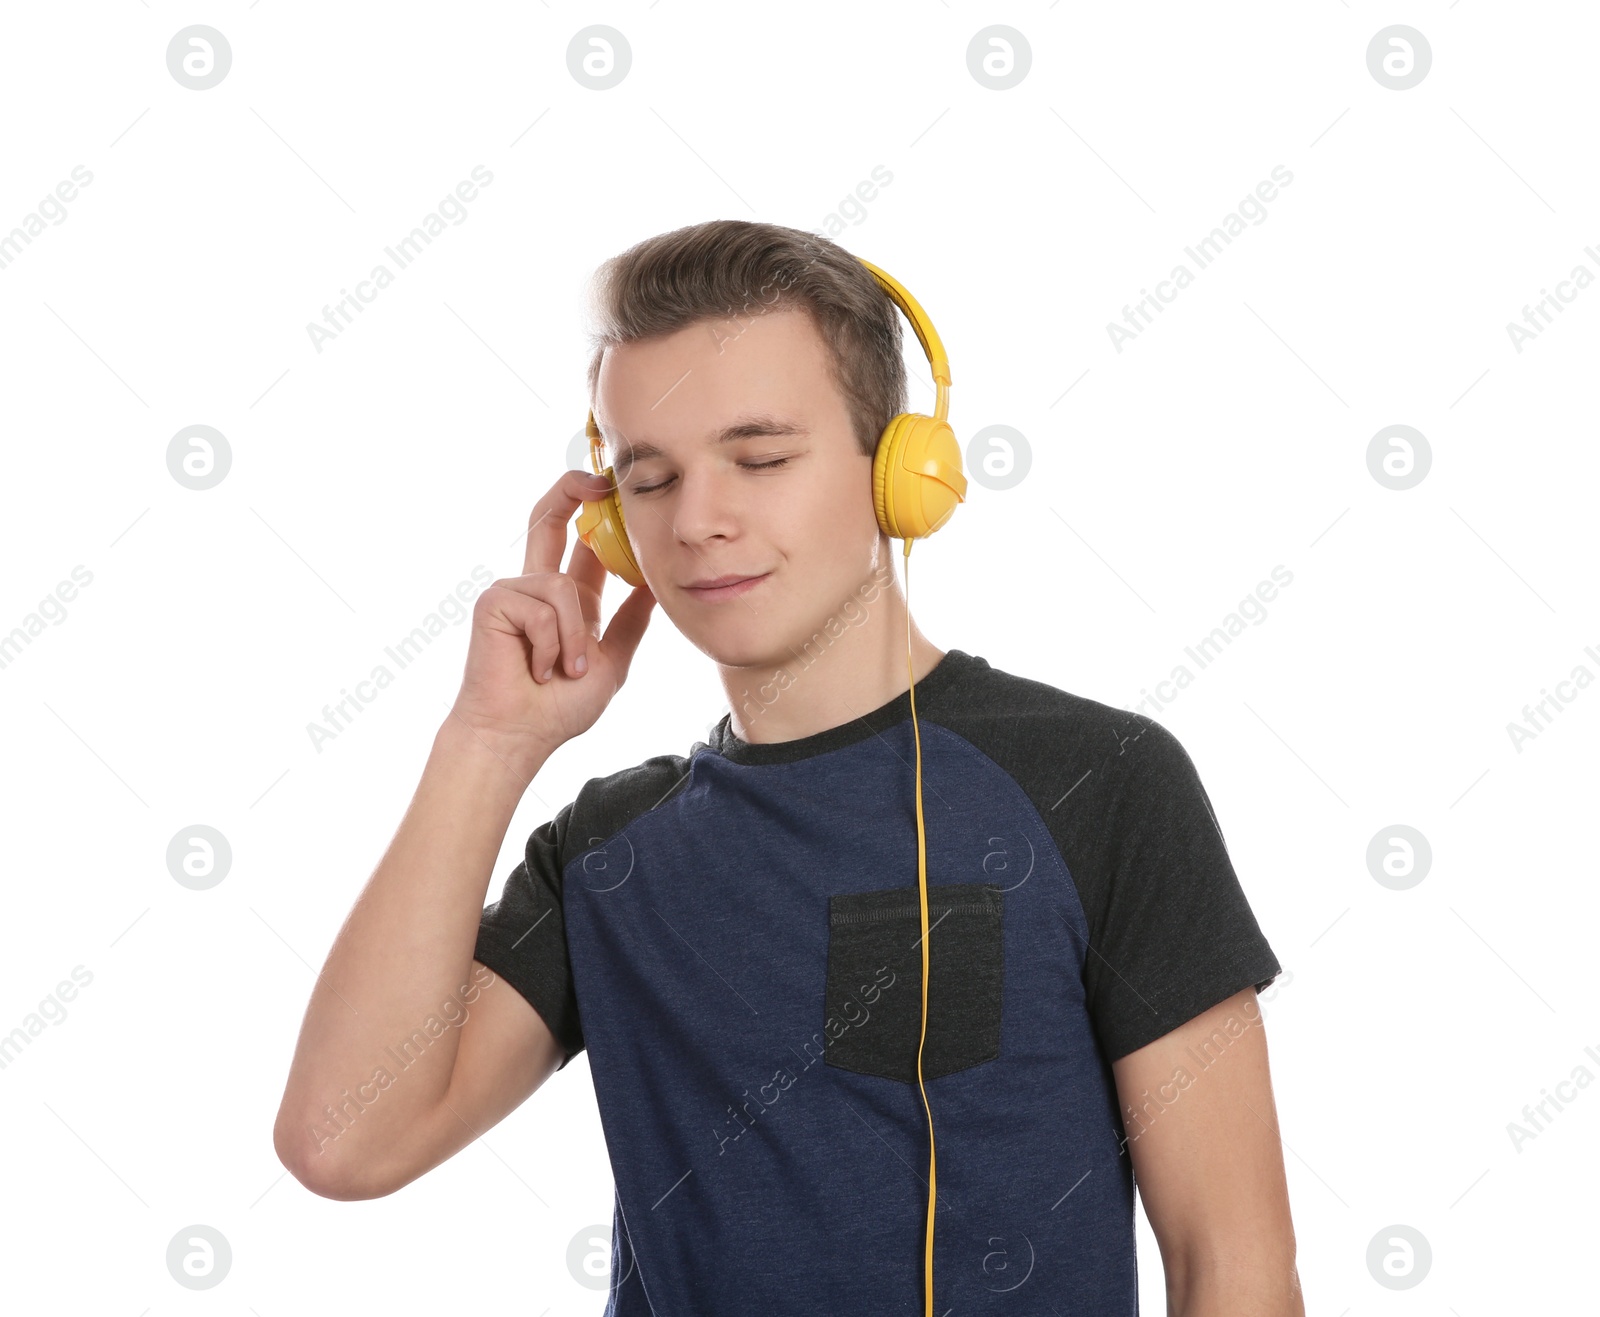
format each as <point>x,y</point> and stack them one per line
<point>837,526</point>
<point>845,501</point>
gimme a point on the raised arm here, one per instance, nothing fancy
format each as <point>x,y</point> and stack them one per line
<point>409,1048</point>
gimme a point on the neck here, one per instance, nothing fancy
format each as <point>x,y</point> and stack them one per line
<point>827,681</point>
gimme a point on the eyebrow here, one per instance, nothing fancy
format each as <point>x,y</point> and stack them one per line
<point>745,427</point>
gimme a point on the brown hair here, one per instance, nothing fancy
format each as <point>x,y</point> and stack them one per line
<point>726,268</point>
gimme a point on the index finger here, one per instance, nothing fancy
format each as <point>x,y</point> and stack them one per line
<point>587,570</point>
<point>547,523</point>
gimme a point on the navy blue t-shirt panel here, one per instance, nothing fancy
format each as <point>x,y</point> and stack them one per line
<point>699,939</point>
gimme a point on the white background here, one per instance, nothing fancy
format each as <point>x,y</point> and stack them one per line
<point>1166,481</point>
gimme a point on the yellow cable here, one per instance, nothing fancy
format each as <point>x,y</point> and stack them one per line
<point>922,894</point>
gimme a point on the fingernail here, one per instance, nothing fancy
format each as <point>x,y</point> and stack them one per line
<point>582,665</point>
<point>549,672</point>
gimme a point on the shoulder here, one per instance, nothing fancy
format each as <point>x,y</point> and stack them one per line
<point>1057,739</point>
<point>605,805</point>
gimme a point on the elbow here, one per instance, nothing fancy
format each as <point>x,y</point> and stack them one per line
<point>313,1157</point>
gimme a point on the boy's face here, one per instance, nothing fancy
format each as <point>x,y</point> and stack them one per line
<point>698,508</point>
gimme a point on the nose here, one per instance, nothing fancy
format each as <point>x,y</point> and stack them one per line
<point>706,503</point>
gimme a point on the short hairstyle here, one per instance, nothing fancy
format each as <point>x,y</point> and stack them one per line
<point>726,268</point>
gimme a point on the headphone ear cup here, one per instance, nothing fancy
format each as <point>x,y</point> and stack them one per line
<point>601,526</point>
<point>916,476</point>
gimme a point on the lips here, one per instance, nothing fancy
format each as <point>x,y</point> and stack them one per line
<point>718,588</point>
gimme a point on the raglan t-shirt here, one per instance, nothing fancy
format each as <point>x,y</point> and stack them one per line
<point>735,938</point>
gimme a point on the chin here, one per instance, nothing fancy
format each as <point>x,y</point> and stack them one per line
<point>751,641</point>
<point>751,652</point>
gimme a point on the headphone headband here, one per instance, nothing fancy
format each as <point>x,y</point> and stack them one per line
<point>927,335</point>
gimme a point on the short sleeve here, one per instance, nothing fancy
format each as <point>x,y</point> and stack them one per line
<point>1173,933</point>
<point>522,937</point>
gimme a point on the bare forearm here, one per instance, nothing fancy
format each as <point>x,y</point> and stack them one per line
<point>377,1045</point>
<point>1264,1286</point>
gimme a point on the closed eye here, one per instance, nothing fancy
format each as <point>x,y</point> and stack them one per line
<point>749,466</point>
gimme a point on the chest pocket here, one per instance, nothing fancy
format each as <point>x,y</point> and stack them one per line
<point>873,1011</point>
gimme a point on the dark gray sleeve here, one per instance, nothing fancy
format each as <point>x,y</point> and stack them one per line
<point>522,936</point>
<point>1170,932</point>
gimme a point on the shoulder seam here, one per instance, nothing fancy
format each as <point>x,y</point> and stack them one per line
<point>571,851</point>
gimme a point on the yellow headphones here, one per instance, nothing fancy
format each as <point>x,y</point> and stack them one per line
<point>916,468</point>
<point>916,484</point>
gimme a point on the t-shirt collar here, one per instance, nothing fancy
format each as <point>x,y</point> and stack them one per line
<point>935,685</point>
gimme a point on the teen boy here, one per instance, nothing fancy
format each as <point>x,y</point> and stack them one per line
<point>732,933</point>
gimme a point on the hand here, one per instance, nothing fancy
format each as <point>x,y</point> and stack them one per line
<point>546,622</point>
